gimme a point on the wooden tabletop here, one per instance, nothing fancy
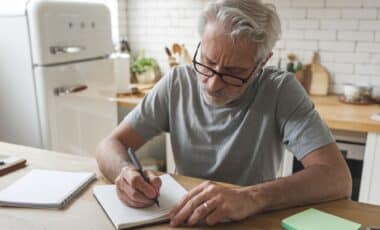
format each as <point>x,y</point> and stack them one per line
<point>341,116</point>
<point>85,213</point>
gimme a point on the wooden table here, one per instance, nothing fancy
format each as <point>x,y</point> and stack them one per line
<point>85,213</point>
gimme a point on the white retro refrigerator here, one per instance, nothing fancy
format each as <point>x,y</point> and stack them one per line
<point>54,61</point>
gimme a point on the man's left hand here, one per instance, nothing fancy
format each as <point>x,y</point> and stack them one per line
<point>213,203</point>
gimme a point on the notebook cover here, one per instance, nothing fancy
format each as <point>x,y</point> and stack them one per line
<point>313,219</point>
<point>45,188</point>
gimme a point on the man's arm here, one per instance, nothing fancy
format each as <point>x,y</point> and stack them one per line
<point>113,162</point>
<point>325,177</point>
<point>111,153</point>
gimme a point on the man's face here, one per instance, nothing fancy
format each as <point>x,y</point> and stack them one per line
<point>221,53</point>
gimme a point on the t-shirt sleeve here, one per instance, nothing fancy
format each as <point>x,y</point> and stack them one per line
<point>302,128</point>
<point>151,116</point>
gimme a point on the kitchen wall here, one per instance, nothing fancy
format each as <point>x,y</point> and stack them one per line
<point>153,24</point>
<point>345,32</point>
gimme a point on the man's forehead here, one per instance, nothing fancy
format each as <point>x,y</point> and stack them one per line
<point>236,51</point>
<point>216,41</point>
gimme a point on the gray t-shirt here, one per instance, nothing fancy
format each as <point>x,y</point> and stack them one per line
<point>241,143</point>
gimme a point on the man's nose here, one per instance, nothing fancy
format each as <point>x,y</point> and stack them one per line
<point>215,83</point>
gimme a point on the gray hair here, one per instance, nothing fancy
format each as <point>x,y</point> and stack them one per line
<point>245,19</point>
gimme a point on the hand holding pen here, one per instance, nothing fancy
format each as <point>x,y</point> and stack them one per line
<point>135,188</point>
<point>137,164</point>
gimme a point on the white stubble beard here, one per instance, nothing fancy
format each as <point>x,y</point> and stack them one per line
<point>226,98</point>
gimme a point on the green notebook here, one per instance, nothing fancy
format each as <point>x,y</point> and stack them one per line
<point>313,219</point>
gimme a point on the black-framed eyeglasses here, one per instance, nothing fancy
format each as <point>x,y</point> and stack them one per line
<point>227,78</point>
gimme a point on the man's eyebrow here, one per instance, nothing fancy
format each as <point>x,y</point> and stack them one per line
<point>235,68</point>
<point>208,59</point>
<point>229,68</point>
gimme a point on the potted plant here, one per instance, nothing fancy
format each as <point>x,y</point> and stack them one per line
<point>144,69</point>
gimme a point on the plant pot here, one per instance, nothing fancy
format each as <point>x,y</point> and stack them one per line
<point>146,77</point>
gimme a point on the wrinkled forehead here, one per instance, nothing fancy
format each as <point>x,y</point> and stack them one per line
<point>217,42</point>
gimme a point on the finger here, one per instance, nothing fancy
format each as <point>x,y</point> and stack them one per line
<point>187,197</point>
<point>137,196</point>
<point>120,183</point>
<point>190,206</point>
<point>202,212</point>
<point>137,182</point>
<point>154,180</point>
<point>125,199</point>
<point>217,216</point>
<point>132,193</point>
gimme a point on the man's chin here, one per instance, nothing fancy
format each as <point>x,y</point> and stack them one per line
<point>215,101</point>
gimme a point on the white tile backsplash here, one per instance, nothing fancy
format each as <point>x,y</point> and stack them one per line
<point>343,3</point>
<point>339,24</point>
<point>371,3</point>
<point>303,24</point>
<point>356,36</point>
<point>337,46</point>
<point>345,32</point>
<point>361,13</point>
<point>324,13</point>
<point>307,4</point>
<point>321,35</point>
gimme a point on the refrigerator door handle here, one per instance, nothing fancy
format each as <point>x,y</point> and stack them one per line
<point>63,90</point>
<point>66,49</point>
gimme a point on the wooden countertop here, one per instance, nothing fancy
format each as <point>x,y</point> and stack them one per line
<point>85,213</point>
<point>131,100</point>
<point>347,117</point>
<point>336,114</point>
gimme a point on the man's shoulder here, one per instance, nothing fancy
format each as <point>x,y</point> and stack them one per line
<point>183,75</point>
<point>182,71</point>
<point>274,77</point>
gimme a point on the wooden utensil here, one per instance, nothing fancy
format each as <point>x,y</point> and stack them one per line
<point>172,60</point>
<point>176,49</point>
<point>316,77</point>
<point>185,55</point>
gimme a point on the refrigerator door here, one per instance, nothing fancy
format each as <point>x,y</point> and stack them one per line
<point>18,105</point>
<point>73,113</point>
<point>64,31</point>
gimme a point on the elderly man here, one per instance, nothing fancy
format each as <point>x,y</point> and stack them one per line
<point>229,120</point>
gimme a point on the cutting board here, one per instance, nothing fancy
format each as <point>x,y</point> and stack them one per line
<point>316,77</point>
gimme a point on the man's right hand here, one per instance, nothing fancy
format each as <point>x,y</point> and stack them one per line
<point>133,190</point>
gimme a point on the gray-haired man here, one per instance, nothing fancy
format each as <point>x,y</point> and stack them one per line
<point>229,120</point>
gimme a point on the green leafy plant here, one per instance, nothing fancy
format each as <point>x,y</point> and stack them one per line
<point>143,64</point>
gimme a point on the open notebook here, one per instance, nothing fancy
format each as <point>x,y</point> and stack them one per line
<point>45,189</point>
<point>123,216</point>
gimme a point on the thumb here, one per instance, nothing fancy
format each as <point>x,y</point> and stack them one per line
<point>154,180</point>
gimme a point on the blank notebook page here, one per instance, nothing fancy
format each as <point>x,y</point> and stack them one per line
<point>44,188</point>
<point>123,216</point>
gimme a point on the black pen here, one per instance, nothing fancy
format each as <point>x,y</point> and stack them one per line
<point>136,163</point>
